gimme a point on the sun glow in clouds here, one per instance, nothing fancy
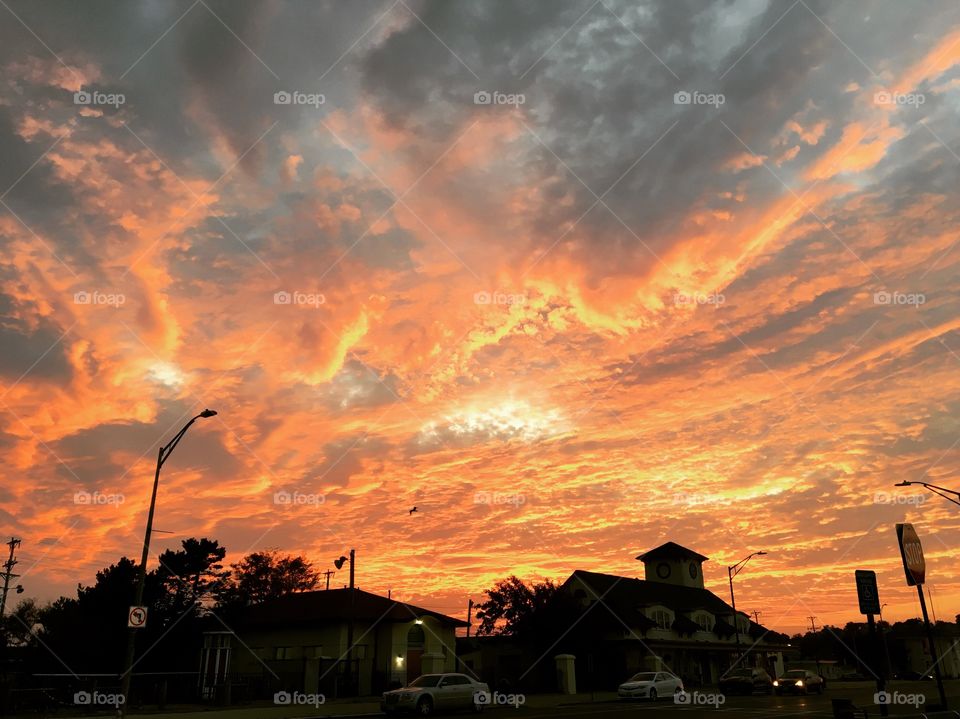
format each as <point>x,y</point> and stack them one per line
<point>510,420</point>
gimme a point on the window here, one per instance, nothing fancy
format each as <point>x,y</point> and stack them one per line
<point>704,621</point>
<point>455,680</point>
<point>662,618</point>
<point>314,652</point>
<point>283,653</point>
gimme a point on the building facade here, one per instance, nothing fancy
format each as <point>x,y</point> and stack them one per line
<point>615,626</point>
<point>300,643</point>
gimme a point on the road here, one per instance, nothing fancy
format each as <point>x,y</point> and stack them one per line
<point>754,707</point>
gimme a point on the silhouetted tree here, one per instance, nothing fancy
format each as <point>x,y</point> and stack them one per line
<point>262,576</point>
<point>191,575</point>
<point>514,608</point>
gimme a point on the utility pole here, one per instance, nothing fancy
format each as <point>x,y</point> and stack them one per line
<point>469,615</point>
<point>8,573</point>
<point>353,613</point>
<point>813,628</point>
<point>338,563</point>
<point>328,574</point>
<point>756,616</point>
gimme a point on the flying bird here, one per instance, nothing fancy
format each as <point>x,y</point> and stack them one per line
<point>413,510</point>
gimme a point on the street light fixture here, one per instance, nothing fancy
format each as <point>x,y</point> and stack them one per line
<point>162,457</point>
<point>732,571</point>
<point>942,491</point>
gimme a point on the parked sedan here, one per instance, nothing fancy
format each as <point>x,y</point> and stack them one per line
<point>431,693</point>
<point>650,685</point>
<point>746,681</point>
<point>799,681</point>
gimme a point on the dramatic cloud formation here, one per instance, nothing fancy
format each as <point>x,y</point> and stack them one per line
<point>574,278</point>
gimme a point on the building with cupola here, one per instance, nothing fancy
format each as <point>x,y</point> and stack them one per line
<point>669,621</point>
<point>608,627</point>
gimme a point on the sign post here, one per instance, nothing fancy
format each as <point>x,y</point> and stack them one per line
<point>869,599</point>
<point>915,567</point>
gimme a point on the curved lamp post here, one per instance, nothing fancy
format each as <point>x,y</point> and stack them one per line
<point>942,491</point>
<point>733,571</point>
<point>162,457</point>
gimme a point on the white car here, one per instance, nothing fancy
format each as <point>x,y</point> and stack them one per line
<point>431,693</point>
<point>650,685</point>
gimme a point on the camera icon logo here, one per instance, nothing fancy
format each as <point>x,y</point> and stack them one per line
<point>481,298</point>
<point>81,97</point>
<point>282,497</point>
<point>482,97</point>
<point>882,698</point>
<point>81,298</point>
<point>681,97</point>
<point>881,298</point>
<point>482,698</point>
<point>681,697</point>
<point>282,98</point>
<point>282,298</point>
<point>283,698</point>
<point>82,698</point>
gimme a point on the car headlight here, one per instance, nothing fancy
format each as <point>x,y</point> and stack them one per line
<point>799,682</point>
<point>776,683</point>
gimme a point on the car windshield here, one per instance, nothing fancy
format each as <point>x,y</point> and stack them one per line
<point>738,675</point>
<point>796,674</point>
<point>427,680</point>
<point>643,677</point>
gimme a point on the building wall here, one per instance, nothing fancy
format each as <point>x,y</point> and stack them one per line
<point>376,653</point>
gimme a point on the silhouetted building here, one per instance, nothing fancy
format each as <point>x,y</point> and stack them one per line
<point>299,643</point>
<point>616,626</point>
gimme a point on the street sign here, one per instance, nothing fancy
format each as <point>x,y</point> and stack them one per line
<point>137,617</point>
<point>867,591</point>
<point>911,552</point>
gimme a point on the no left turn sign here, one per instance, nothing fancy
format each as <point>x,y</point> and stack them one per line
<point>137,617</point>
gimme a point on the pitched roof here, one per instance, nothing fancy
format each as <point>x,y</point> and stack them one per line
<point>671,550</point>
<point>334,605</point>
<point>624,594</point>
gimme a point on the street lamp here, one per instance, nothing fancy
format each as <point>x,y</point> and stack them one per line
<point>733,571</point>
<point>162,457</point>
<point>942,491</point>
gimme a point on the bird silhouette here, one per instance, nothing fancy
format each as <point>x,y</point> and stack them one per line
<point>413,510</point>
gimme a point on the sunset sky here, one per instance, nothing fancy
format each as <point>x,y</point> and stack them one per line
<point>568,324</point>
